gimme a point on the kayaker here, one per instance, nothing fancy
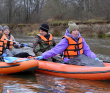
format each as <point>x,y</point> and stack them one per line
<point>2,45</point>
<point>71,44</point>
<point>10,42</point>
<point>43,41</point>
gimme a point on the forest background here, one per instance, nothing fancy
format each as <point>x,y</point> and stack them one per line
<point>25,16</point>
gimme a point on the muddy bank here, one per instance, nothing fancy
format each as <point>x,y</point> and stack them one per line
<point>99,29</point>
<point>58,29</point>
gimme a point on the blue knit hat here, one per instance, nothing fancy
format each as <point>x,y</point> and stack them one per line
<point>5,27</point>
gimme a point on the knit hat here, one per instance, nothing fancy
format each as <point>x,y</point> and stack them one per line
<point>5,27</point>
<point>1,28</point>
<point>44,27</point>
<point>72,26</point>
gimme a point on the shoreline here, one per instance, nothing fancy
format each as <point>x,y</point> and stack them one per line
<point>91,29</point>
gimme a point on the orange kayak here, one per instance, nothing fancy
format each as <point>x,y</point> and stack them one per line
<point>20,65</point>
<point>74,71</point>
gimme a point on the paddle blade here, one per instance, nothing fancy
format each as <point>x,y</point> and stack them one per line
<point>10,59</point>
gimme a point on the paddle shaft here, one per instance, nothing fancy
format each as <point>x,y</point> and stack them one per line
<point>18,43</point>
<point>106,61</point>
<point>11,40</point>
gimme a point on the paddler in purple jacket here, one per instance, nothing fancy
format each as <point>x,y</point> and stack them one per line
<point>71,44</point>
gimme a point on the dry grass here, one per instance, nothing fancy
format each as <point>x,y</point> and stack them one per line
<point>33,33</point>
<point>29,29</point>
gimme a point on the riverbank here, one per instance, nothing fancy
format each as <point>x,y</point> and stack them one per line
<point>87,29</point>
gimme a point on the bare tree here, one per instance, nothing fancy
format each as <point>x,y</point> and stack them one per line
<point>26,11</point>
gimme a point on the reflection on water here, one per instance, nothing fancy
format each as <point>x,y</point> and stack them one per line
<point>66,85</point>
<point>17,83</point>
<point>41,83</point>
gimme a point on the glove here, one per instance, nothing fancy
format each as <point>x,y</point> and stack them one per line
<point>97,59</point>
<point>64,62</point>
<point>39,58</point>
<point>23,45</point>
<point>4,55</point>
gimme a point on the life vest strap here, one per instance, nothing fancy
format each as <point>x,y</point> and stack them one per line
<point>76,44</point>
<point>73,49</point>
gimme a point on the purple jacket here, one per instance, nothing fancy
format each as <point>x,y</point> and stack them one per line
<point>63,44</point>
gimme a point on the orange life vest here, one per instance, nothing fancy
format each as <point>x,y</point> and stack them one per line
<point>1,47</point>
<point>73,47</point>
<point>5,39</point>
<point>46,40</point>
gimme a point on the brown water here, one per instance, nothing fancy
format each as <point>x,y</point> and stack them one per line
<point>42,83</point>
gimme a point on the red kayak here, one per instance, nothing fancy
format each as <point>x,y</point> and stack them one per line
<point>74,71</point>
<point>20,65</point>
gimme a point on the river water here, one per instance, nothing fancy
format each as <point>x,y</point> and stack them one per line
<point>42,83</point>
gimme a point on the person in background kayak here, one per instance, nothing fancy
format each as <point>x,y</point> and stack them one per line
<point>10,42</point>
<point>2,45</point>
<point>71,44</point>
<point>44,42</point>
